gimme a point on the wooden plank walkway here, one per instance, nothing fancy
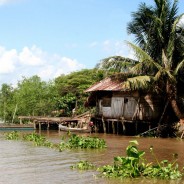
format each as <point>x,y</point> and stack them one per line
<point>39,120</point>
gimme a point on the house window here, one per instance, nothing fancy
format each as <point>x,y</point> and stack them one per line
<point>106,102</point>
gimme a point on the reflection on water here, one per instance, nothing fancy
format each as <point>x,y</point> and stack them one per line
<point>20,162</point>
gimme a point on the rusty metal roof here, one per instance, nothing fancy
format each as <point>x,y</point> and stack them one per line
<point>107,84</point>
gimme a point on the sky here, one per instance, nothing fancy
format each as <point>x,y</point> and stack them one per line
<point>53,37</point>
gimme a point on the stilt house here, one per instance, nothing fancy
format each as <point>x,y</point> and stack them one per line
<point>115,103</point>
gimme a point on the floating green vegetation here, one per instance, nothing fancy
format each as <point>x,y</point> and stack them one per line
<point>83,165</point>
<point>134,165</point>
<point>38,140</point>
<point>69,142</point>
<point>14,135</point>
<point>76,141</point>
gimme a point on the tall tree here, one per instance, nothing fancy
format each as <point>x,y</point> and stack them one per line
<point>34,97</point>
<point>6,102</point>
<point>71,88</point>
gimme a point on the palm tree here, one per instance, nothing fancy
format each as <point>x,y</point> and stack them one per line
<point>164,80</point>
<point>152,27</point>
<point>160,37</point>
<point>116,64</point>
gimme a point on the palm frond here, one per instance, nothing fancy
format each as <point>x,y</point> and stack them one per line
<point>116,64</point>
<point>179,66</point>
<point>165,60</point>
<point>158,75</point>
<point>138,82</point>
<point>143,57</point>
<point>172,39</point>
<point>170,76</point>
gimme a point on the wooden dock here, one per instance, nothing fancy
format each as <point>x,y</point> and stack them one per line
<point>39,121</point>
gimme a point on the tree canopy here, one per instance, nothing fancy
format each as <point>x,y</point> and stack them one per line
<point>34,97</point>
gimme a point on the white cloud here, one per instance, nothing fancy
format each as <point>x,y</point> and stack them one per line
<point>8,60</point>
<point>31,56</point>
<point>60,65</point>
<point>33,61</point>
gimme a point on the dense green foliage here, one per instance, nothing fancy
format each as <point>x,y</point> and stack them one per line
<point>70,88</point>
<point>34,97</point>
<point>134,165</point>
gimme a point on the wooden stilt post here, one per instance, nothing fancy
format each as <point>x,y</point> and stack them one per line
<point>20,121</point>
<point>40,126</point>
<point>48,125</point>
<point>117,127</point>
<point>149,125</point>
<point>34,123</point>
<point>95,124</point>
<point>113,127</point>
<point>104,127</point>
<point>108,131</point>
<point>124,128</point>
<point>136,127</point>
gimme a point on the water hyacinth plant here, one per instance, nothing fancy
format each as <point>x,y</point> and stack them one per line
<point>38,140</point>
<point>134,165</point>
<point>14,135</point>
<point>83,165</point>
<point>76,141</point>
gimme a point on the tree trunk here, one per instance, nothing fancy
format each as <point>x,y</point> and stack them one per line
<point>176,109</point>
<point>171,90</point>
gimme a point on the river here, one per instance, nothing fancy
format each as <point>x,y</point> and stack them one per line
<point>21,162</point>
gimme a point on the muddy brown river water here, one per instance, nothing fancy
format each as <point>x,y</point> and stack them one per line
<point>23,163</point>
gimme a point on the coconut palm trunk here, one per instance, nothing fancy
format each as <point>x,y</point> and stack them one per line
<point>171,91</point>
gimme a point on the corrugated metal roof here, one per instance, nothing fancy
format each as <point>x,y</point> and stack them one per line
<point>107,85</point>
